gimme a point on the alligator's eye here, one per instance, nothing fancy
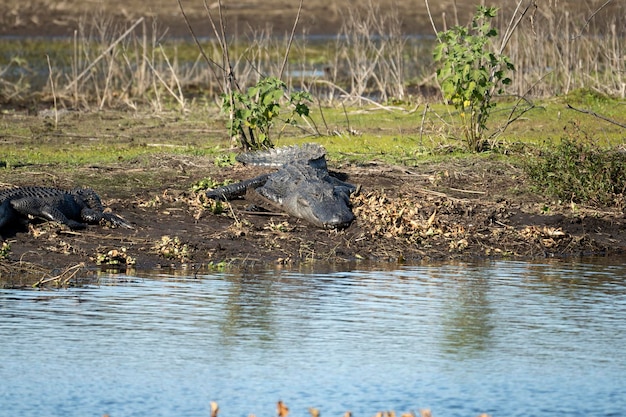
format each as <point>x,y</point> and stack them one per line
<point>340,193</point>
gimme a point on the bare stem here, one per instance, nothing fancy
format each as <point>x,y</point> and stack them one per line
<point>293,31</point>
<point>599,116</point>
<point>54,96</point>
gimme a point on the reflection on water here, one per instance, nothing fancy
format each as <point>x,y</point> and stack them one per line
<point>504,338</point>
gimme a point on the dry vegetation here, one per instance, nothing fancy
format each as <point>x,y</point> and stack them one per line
<point>283,411</point>
<point>126,56</point>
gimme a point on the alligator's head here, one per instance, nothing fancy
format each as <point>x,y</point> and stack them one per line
<point>323,204</point>
<point>308,192</point>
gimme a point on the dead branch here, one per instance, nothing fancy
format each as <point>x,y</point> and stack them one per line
<point>580,33</point>
<point>599,116</point>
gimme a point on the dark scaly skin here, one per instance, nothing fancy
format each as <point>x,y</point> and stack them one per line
<point>228,192</point>
<point>302,186</point>
<point>75,208</point>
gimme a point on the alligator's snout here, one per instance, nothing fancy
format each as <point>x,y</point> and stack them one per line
<point>339,222</point>
<point>326,211</point>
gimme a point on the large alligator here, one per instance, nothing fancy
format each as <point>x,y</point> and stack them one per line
<point>302,186</point>
<point>74,208</point>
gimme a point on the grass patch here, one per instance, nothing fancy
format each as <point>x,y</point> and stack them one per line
<point>407,134</point>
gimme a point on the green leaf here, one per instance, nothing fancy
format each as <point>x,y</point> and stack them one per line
<point>253,92</point>
<point>302,109</point>
<point>439,51</point>
<point>491,11</point>
<point>274,96</point>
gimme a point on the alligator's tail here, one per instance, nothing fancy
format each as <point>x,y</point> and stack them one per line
<point>313,153</point>
<point>231,191</point>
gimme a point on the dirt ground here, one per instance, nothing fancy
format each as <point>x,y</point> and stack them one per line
<point>464,210</point>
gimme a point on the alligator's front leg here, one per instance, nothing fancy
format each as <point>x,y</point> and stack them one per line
<point>116,220</point>
<point>6,213</point>
<point>92,211</point>
<point>231,191</point>
<point>38,208</point>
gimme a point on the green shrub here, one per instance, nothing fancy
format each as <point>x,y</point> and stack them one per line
<point>580,172</point>
<point>252,114</point>
<point>470,73</point>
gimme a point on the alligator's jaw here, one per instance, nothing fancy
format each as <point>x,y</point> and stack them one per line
<point>339,222</point>
<point>337,215</point>
<point>329,214</point>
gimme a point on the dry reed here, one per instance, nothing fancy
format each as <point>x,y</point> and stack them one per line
<point>21,274</point>
<point>555,48</point>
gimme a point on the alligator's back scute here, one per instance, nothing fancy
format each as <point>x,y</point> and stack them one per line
<point>313,154</point>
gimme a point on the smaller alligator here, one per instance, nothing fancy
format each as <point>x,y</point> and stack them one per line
<point>302,186</point>
<point>74,208</point>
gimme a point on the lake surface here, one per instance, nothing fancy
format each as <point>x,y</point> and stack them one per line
<point>503,338</point>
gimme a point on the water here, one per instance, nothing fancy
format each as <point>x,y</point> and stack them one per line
<point>504,338</point>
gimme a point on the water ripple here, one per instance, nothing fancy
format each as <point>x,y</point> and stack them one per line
<point>504,338</point>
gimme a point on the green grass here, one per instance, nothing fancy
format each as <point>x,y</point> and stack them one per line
<point>402,137</point>
<point>106,137</point>
<point>356,134</point>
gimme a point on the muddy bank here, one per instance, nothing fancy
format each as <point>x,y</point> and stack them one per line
<point>463,210</point>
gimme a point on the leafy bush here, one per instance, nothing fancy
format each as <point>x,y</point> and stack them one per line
<point>252,113</point>
<point>580,172</point>
<point>470,73</point>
